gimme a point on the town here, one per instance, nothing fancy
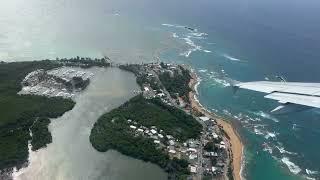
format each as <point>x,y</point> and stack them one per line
<point>208,156</point>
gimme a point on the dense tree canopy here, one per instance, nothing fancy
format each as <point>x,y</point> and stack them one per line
<point>17,112</point>
<point>112,131</point>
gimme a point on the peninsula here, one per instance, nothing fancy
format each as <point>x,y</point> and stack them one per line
<point>164,125</point>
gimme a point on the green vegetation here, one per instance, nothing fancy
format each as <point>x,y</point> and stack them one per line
<point>111,131</point>
<point>177,83</point>
<point>141,77</point>
<point>18,112</point>
<point>85,62</point>
<point>209,146</point>
<point>40,133</point>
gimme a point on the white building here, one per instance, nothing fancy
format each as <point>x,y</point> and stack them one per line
<point>193,169</point>
<point>171,142</point>
<point>193,156</point>
<point>153,131</point>
<point>204,118</point>
<point>160,136</point>
<point>169,136</point>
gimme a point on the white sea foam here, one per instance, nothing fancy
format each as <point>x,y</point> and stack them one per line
<point>196,86</point>
<point>283,151</point>
<point>203,70</point>
<point>243,164</point>
<point>173,25</point>
<point>188,38</point>
<point>310,172</point>
<point>226,112</point>
<point>292,167</point>
<point>267,148</point>
<point>309,178</point>
<point>270,135</point>
<point>266,116</point>
<point>231,58</point>
<point>221,82</point>
<point>199,34</point>
<point>257,131</point>
<point>193,46</point>
<point>174,35</point>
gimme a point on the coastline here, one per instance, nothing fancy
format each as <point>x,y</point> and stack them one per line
<point>236,145</point>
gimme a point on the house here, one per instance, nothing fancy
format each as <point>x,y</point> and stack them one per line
<point>193,156</point>
<point>214,135</point>
<point>169,136</point>
<point>171,142</point>
<point>193,169</point>
<point>133,127</point>
<point>160,136</point>
<point>204,118</point>
<point>161,95</point>
<point>153,131</point>
<point>192,150</point>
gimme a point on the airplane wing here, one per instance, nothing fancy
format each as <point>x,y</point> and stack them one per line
<point>293,96</point>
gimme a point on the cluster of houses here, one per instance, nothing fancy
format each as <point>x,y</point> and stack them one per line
<point>212,162</point>
<point>214,157</point>
<point>59,82</point>
<point>206,161</point>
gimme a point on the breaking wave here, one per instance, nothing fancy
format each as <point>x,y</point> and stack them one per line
<point>174,35</point>
<point>270,135</point>
<point>172,25</point>
<point>265,115</point>
<point>232,58</point>
<point>215,77</point>
<point>310,172</point>
<point>283,151</point>
<point>189,36</point>
<point>292,167</point>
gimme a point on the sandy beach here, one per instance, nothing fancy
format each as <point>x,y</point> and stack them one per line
<point>234,139</point>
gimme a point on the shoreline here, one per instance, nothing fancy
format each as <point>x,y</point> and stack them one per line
<point>236,144</point>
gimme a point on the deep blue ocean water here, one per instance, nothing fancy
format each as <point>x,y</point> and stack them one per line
<point>243,40</point>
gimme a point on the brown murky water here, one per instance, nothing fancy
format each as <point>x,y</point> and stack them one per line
<point>70,156</point>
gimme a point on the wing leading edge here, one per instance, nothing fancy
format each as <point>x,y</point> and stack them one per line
<point>293,96</point>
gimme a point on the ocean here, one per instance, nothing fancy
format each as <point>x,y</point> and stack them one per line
<point>240,40</point>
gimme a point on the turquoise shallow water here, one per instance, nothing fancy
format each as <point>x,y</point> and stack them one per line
<point>242,40</point>
<point>277,147</point>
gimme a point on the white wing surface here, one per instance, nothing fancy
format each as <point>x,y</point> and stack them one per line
<point>287,93</point>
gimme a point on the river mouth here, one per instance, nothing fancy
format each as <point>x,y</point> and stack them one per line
<point>70,155</point>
